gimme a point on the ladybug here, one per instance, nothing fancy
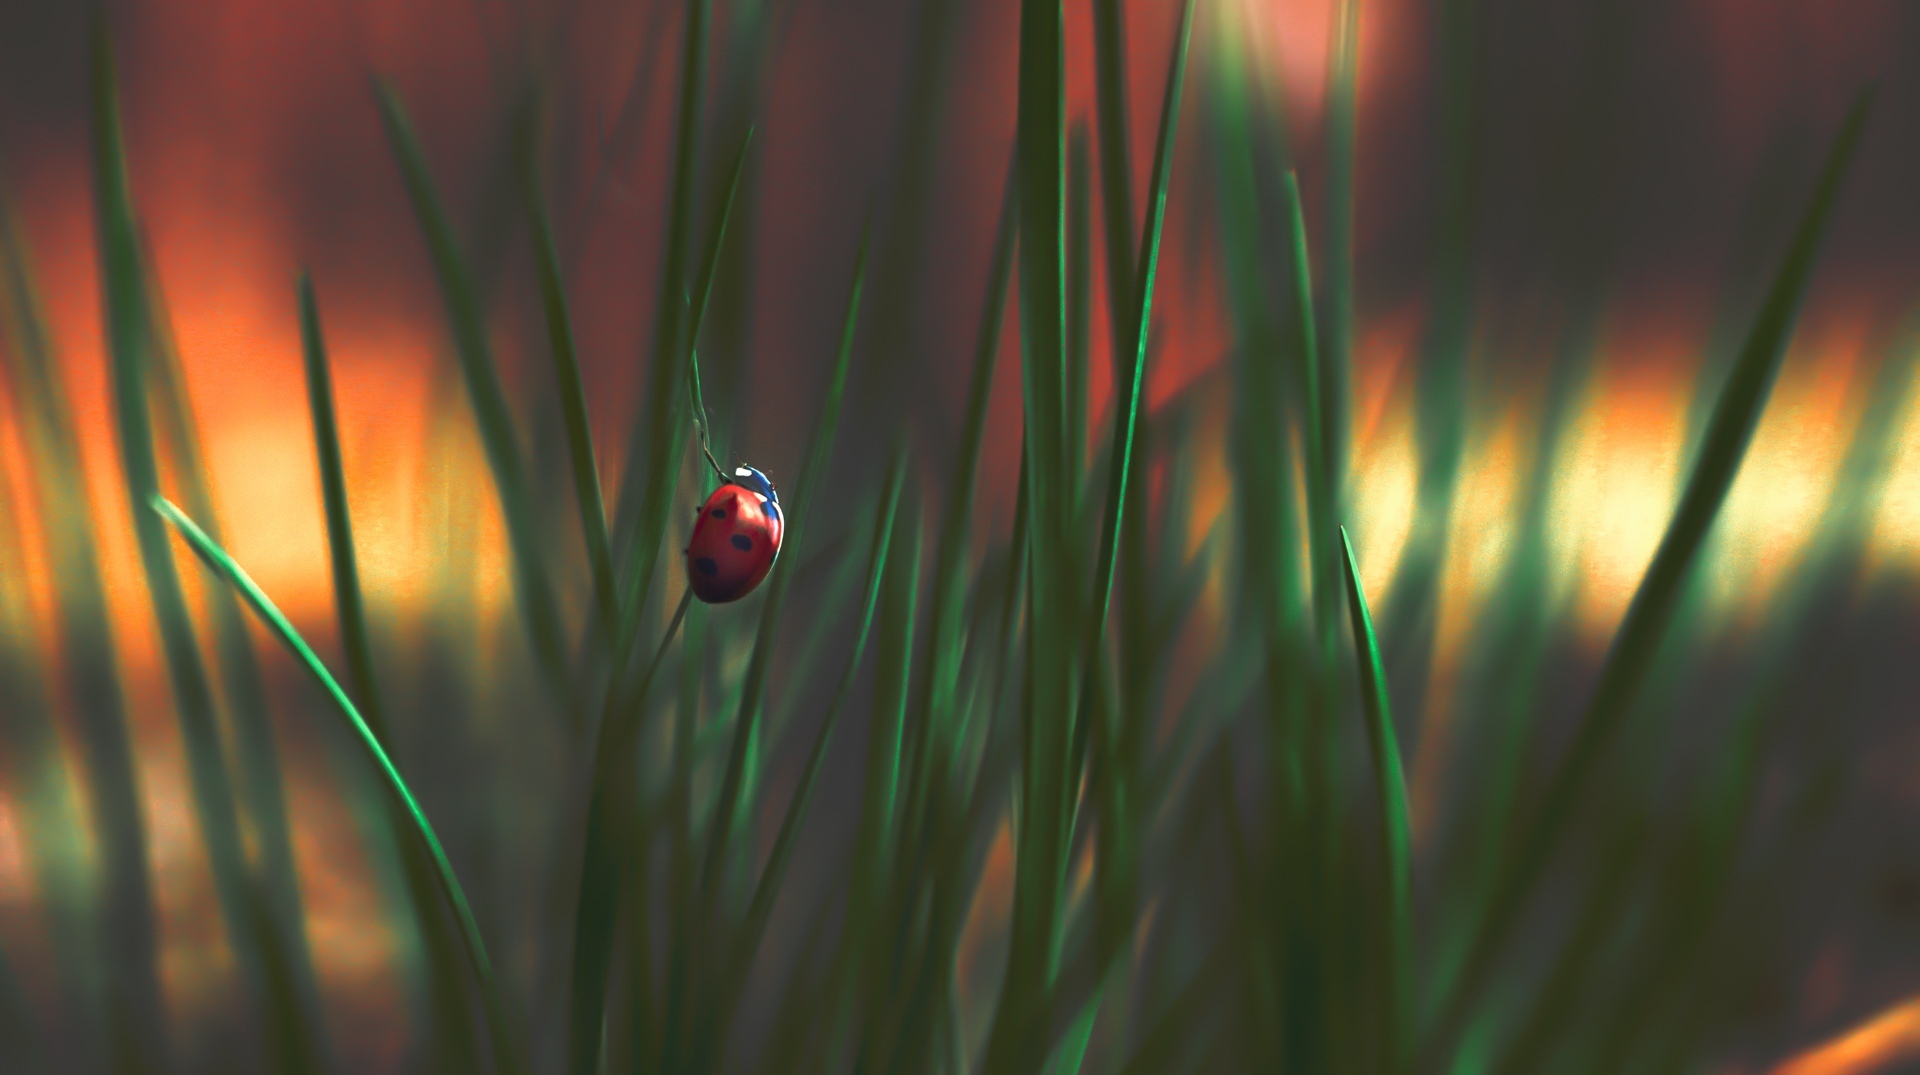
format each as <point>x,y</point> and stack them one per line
<point>736,538</point>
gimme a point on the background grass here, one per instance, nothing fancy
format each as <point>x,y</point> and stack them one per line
<point>1118,759</point>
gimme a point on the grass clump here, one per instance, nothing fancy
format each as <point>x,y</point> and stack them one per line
<point>1115,788</point>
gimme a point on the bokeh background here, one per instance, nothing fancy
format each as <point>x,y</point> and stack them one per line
<point>1620,175</point>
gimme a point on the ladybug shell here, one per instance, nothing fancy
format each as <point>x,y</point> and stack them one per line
<point>734,544</point>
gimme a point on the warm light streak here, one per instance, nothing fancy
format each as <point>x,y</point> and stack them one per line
<point>1889,1038</point>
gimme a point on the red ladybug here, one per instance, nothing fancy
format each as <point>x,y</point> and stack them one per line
<point>735,539</point>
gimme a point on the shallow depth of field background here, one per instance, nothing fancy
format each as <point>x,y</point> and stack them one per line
<point>1697,128</point>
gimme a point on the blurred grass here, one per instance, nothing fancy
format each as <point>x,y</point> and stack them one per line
<point>1109,801</point>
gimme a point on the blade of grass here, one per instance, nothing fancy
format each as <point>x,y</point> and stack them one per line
<point>1729,432</point>
<point>760,909</point>
<point>573,398</point>
<point>813,471</point>
<point>1396,845</point>
<point>135,1014</point>
<point>942,727</point>
<point>657,503</point>
<point>965,817</point>
<point>490,408</point>
<point>653,442</point>
<point>1271,605</point>
<point>250,716</point>
<point>446,985</point>
<point>709,924</point>
<point>1079,314</point>
<point>505,1057</point>
<point>708,263</point>
<point>609,835</point>
<point>1045,796</point>
<point>1116,886</point>
<point>880,886</point>
<point>45,819</point>
<point>252,931</point>
<point>1318,452</point>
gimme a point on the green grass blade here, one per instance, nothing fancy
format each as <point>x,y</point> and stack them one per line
<point>252,930</point>
<point>447,983</point>
<point>1079,314</point>
<point>945,611</point>
<point>813,471</point>
<point>250,716</point>
<point>355,640</point>
<point>656,441</point>
<point>1396,843</point>
<point>703,291</point>
<point>1116,172</point>
<point>490,409</point>
<point>573,397</point>
<point>1040,845</point>
<point>136,1031</point>
<point>46,819</point>
<point>882,881</point>
<point>760,909</point>
<point>746,724</point>
<point>1117,885</point>
<point>505,1057</point>
<point>673,415</point>
<point>1319,465</point>
<point>609,838</point>
<point>1731,429</point>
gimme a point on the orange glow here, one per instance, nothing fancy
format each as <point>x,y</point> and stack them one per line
<point>1877,1045</point>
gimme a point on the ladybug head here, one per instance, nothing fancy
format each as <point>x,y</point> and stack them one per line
<point>756,482</point>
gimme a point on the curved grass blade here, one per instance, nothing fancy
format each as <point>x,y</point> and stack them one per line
<point>506,1060</point>
<point>703,291</point>
<point>573,398</point>
<point>760,909</point>
<point>752,696</point>
<point>490,409</point>
<point>447,987</point>
<point>1654,601</point>
<point>258,940</point>
<point>249,713</point>
<point>1396,843</point>
<point>745,733</point>
<point>648,440</point>
<point>672,414</point>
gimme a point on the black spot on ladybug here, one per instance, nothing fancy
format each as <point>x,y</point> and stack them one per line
<point>742,542</point>
<point>706,566</point>
<point>719,513</point>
